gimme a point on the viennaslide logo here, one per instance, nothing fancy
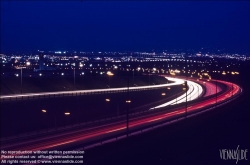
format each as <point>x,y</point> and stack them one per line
<point>233,154</point>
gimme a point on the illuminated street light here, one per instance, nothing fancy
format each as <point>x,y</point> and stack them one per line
<point>169,88</point>
<point>107,100</point>
<point>128,101</point>
<point>110,73</point>
<point>177,71</point>
<point>67,113</point>
<point>44,111</point>
<point>163,94</point>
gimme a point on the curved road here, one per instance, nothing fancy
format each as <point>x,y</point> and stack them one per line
<point>118,127</point>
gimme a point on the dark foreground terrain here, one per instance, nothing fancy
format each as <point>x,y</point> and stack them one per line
<point>196,140</point>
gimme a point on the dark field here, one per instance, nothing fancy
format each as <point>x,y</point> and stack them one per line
<point>24,116</point>
<point>12,84</point>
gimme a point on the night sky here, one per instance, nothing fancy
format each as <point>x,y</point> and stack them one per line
<point>124,26</point>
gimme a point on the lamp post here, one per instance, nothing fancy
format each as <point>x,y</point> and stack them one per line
<point>133,77</point>
<point>21,80</point>
<point>127,113</point>
<point>198,92</point>
<point>216,87</point>
<point>232,74</point>
<point>205,84</point>
<point>148,77</point>
<point>74,78</point>
<point>67,114</point>
<point>186,83</point>
<point>109,74</point>
<point>109,106</point>
<point>27,64</point>
<point>45,111</point>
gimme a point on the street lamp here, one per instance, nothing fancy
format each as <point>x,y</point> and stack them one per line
<point>108,100</point>
<point>128,102</point>
<point>204,82</point>
<point>27,64</point>
<point>67,113</point>
<point>133,76</point>
<point>186,95</point>
<point>21,80</point>
<point>45,111</point>
<point>233,73</point>
<point>74,78</point>
<point>149,77</point>
<point>109,74</point>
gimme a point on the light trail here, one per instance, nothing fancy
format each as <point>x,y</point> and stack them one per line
<point>135,122</point>
<point>193,92</point>
<point>212,89</point>
<point>177,81</point>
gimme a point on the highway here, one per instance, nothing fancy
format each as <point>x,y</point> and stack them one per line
<point>118,127</point>
<point>175,81</point>
<point>194,91</point>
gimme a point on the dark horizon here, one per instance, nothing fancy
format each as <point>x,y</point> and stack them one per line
<point>124,26</point>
